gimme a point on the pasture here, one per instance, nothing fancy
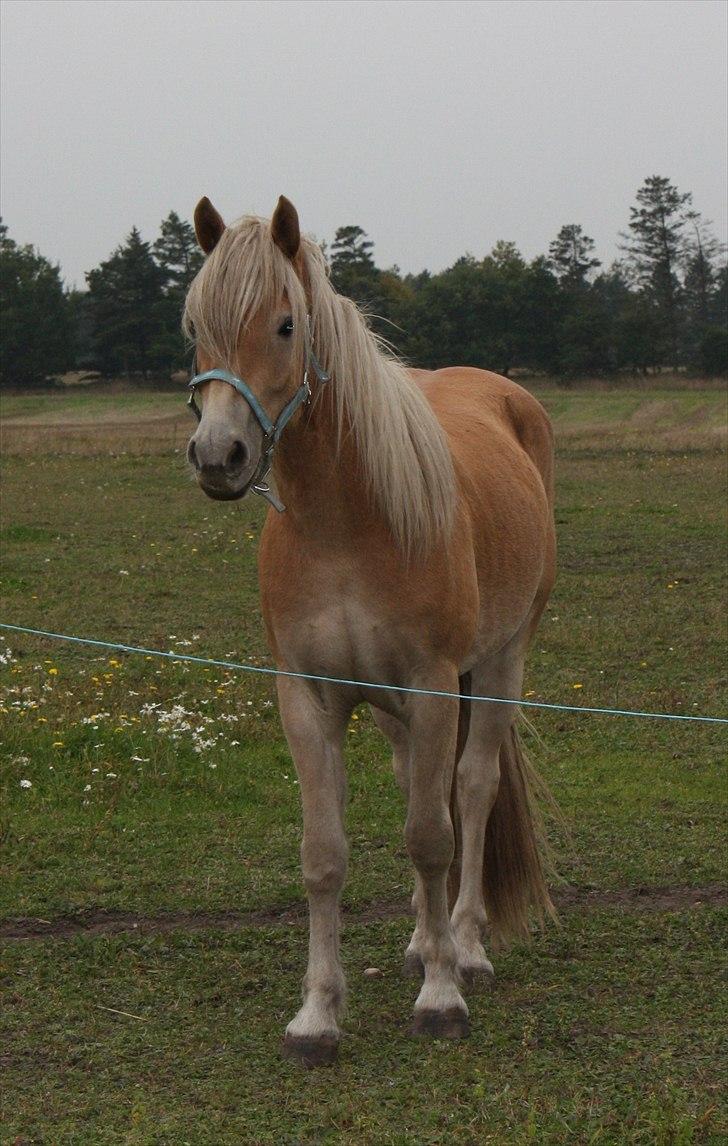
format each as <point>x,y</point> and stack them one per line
<point>151,901</point>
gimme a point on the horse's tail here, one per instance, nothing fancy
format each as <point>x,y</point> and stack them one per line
<point>514,882</point>
<point>453,875</point>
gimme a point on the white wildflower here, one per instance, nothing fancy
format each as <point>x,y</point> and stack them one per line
<point>95,717</point>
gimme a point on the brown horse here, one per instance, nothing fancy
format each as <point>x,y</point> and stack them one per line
<point>417,549</point>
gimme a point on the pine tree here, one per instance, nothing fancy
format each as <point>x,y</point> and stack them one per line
<point>579,336</point>
<point>179,258</point>
<point>701,258</point>
<point>35,330</point>
<point>351,248</point>
<point>353,272</point>
<point>125,293</point>
<point>706,336</point>
<point>655,250</point>
<point>571,256</point>
<point>177,254</point>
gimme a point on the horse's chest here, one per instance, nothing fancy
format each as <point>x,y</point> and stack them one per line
<point>337,634</point>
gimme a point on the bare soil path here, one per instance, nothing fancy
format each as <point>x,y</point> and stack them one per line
<point>98,921</point>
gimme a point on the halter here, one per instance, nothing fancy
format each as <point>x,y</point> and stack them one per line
<point>271,430</point>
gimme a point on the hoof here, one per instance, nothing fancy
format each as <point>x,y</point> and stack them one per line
<point>321,1051</point>
<point>450,1024</point>
<point>478,975</point>
<point>413,967</point>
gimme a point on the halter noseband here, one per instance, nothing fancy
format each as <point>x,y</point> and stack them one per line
<point>271,430</point>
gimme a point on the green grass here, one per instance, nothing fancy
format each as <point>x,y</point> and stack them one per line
<point>602,1033</point>
<point>620,410</point>
<point>606,1030</point>
<point>88,405</point>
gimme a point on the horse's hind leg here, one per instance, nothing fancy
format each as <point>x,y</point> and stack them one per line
<point>477,787</point>
<point>399,737</point>
<point>440,1009</point>
<point>315,736</point>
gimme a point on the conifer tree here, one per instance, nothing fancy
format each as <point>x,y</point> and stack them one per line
<point>655,249</point>
<point>179,258</point>
<point>124,299</point>
<point>35,330</point>
<point>177,254</point>
<point>353,271</point>
<point>571,256</point>
<point>701,260</point>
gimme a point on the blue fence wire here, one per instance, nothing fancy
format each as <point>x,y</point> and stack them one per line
<point>241,667</point>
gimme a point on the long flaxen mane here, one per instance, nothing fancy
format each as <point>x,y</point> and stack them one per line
<point>402,449</point>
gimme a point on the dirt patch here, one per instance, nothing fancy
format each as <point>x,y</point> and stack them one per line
<point>672,898</point>
<point>651,413</point>
<point>125,423</point>
<point>146,435</point>
<point>567,899</point>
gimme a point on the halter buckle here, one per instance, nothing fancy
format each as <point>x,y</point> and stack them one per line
<point>264,490</point>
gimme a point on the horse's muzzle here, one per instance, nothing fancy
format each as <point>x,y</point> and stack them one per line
<point>219,488</point>
<point>222,473</point>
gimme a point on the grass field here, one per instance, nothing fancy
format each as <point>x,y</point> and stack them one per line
<point>154,937</point>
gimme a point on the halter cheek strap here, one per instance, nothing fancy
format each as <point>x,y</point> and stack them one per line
<point>271,430</point>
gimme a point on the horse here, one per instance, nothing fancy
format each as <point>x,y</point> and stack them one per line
<point>416,553</point>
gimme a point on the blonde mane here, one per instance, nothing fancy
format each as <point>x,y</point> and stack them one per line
<point>404,456</point>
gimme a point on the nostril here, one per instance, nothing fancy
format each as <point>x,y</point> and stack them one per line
<point>192,454</point>
<point>237,457</point>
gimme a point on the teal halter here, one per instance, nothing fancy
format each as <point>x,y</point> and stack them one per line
<point>271,430</point>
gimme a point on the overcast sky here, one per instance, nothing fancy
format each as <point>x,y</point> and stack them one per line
<point>439,127</point>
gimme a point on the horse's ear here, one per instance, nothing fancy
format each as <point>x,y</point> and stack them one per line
<point>208,225</point>
<point>284,228</point>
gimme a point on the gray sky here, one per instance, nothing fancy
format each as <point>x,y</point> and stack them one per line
<point>438,126</point>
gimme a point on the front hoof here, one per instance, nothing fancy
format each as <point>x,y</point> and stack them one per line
<point>311,1052</point>
<point>413,966</point>
<point>450,1024</point>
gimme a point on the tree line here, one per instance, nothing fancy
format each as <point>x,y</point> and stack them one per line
<point>662,304</point>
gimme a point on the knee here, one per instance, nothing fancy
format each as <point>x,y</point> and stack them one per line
<point>431,844</point>
<point>324,868</point>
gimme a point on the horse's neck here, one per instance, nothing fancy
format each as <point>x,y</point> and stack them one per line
<point>318,474</point>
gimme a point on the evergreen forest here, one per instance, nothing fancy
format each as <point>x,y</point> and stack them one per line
<point>663,305</point>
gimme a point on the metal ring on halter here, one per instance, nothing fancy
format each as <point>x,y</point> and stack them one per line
<point>271,430</point>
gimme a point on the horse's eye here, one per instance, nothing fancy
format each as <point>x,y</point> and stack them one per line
<point>286,328</point>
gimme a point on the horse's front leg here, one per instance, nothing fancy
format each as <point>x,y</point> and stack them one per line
<point>440,1009</point>
<point>315,737</point>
